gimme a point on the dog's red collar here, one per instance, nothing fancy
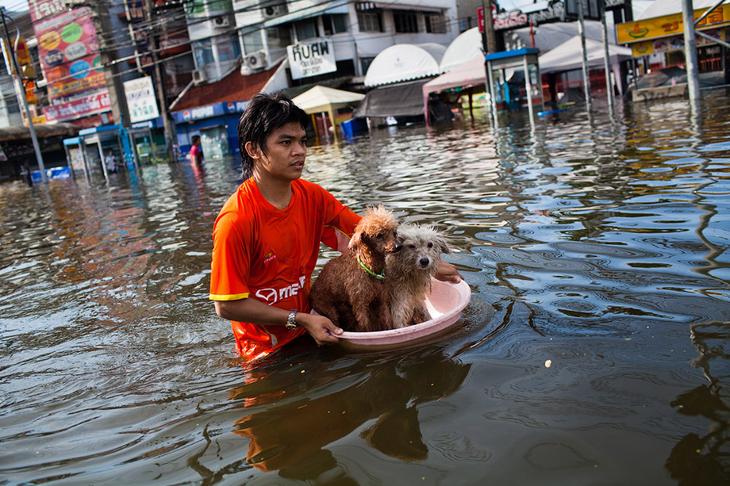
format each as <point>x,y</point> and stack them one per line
<point>369,271</point>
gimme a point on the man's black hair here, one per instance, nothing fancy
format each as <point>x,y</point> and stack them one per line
<point>265,114</point>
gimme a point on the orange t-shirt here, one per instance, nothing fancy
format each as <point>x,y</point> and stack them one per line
<point>269,254</point>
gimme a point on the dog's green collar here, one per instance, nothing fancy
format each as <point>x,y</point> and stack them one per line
<point>369,271</point>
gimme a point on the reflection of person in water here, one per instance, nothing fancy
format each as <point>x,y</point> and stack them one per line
<point>290,436</point>
<point>702,460</point>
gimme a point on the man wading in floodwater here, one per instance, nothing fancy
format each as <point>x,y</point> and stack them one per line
<point>266,238</point>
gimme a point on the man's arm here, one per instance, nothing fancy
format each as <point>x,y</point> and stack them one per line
<point>251,310</point>
<point>447,272</point>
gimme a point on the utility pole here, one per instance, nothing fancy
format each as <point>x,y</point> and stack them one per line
<point>160,86</point>
<point>20,92</point>
<point>586,75</point>
<point>100,16</point>
<point>491,43</point>
<point>606,58</point>
<point>690,53</point>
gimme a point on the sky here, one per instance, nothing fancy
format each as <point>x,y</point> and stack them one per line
<point>14,5</point>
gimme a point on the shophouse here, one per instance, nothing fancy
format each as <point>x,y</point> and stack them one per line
<point>293,45</point>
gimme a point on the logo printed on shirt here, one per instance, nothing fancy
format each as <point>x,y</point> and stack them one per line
<point>269,257</point>
<point>272,296</point>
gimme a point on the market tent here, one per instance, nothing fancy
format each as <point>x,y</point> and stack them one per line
<point>465,48</point>
<point>323,99</point>
<point>669,7</point>
<point>467,75</point>
<point>568,55</point>
<point>549,36</point>
<point>404,62</point>
<point>402,99</point>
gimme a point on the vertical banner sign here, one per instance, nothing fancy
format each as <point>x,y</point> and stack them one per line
<point>311,58</point>
<point>141,99</point>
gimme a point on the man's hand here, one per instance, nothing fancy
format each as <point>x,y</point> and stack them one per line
<point>319,327</point>
<point>447,272</point>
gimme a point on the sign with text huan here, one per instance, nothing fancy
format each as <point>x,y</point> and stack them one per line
<point>311,58</point>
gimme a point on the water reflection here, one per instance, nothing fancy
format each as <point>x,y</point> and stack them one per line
<point>288,427</point>
<point>696,458</point>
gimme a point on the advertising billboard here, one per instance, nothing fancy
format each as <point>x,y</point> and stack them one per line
<point>69,53</point>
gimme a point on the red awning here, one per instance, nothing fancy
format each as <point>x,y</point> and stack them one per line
<point>233,87</point>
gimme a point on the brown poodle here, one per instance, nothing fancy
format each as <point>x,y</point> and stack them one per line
<point>410,270</point>
<point>350,289</point>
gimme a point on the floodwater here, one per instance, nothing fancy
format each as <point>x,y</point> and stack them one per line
<point>594,350</point>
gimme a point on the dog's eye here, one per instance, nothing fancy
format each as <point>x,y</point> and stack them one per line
<point>430,245</point>
<point>412,247</point>
<point>379,236</point>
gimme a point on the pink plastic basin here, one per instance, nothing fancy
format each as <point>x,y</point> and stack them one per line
<point>444,304</point>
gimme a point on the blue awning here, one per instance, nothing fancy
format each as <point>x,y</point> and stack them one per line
<point>100,129</point>
<point>496,56</point>
<point>71,141</point>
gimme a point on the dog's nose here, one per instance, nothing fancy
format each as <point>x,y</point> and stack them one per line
<point>424,262</point>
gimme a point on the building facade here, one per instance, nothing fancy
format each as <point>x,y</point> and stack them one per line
<point>242,47</point>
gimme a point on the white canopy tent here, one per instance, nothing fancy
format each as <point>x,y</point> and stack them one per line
<point>465,48</point>
<point>404,62</point>
<point>321,99</point>
<point>568,55</point>
<point>465,75</point>
<point>669,7</point>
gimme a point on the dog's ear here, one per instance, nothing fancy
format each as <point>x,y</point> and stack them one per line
<point>440,241</point>
<point>359,238</point>
<point>355,241</point>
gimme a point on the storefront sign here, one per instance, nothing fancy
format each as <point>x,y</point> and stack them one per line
<point>40,9</point>
<point>311,58</point>
<point>210,111</point>
<point>83,106</point>
<point>669,44</point>
<point>669,25</point>
<point>69,53</point>
<point>141,99</point>
<point>516,19</point>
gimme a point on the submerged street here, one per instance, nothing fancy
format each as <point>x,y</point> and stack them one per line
<point>592,352</point>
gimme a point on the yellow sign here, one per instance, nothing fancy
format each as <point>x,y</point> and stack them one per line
<point>668,44</point>
<point>669,25</point>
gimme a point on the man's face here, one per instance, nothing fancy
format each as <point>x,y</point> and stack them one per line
<point>286,149</point>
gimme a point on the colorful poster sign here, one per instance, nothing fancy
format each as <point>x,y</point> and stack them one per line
<point>311,58</point>
<point>81,106</point>
<point>141,100</point>
<point>669,25</point>
<point>69,53</point>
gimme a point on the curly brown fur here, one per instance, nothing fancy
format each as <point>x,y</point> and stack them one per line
<point>410,270</point>
<point>344,292</point>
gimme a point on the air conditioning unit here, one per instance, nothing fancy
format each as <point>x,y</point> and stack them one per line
<point>221,22</point>
<point>256,61</point>
<point>273,11</point>
<point>199,77</point>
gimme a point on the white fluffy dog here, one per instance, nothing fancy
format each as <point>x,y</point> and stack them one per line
<point>409,270</point>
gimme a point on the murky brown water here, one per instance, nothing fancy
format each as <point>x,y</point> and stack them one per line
<point>600,246</point>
